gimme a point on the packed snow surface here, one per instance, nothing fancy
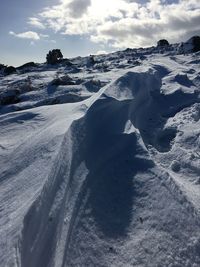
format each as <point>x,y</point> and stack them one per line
<point>102,168</point>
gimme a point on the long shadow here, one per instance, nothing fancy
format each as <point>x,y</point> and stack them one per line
<point>175,102</point>
<point>112,162</point>
<point>51,89</point>
<point>19,118</point>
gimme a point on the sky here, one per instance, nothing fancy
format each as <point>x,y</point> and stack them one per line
<point>29,29</point>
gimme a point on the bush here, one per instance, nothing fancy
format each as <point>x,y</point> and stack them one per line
<point>9,70</point>
<point>162,42</point>
<point>54,56</point>
<point>2,66</point>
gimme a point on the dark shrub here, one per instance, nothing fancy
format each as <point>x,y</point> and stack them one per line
<point>2,66</point>
<point>9,70</point>
<point>54,56</point>
<point>162,43</point>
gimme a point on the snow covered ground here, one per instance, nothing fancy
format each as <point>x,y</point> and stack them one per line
<point>105,170</point>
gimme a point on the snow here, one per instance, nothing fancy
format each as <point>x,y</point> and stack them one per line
<point>105,171</point>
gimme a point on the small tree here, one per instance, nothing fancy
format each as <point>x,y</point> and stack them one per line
<point>54,56</point>
<point>162,42</point>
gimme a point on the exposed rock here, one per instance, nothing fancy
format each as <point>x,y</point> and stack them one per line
<point>90,61</point>
<point>194,42</point>
<point>9,97</point>
<point>64,80</point>
<point>93,85</point>
<point>27,65</point>
<point>175,166</point>
<point>65,61</point>
<point>190,46</point>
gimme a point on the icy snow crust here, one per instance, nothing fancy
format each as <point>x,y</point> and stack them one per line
<point>112,179</point>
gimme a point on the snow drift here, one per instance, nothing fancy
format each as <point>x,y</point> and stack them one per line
<point>119,186</point>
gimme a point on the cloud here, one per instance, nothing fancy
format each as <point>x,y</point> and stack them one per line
<point>78,8</point>
<point>26,35</point>
<point>33,36</point>
<point>124,23</point>
<point>35,22</point>
<point>101,52</point>
<point>44,35</point>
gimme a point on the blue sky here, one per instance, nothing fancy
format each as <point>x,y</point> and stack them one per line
<point>29,29</point>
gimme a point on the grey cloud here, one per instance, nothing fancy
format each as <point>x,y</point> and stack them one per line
<point>147,30</point>
<point>78,7</point>
<point>175,27</point>
<point>183,22</point>
<point>142,2</point>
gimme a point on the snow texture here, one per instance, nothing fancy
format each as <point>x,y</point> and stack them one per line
<point>103,171</point>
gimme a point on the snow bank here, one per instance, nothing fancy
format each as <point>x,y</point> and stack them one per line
<point>119,186</point>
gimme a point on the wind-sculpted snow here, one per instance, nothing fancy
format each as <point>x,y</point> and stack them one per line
<point>121,184</point>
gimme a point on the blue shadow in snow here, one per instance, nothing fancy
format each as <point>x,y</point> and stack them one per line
<point>112,162</point>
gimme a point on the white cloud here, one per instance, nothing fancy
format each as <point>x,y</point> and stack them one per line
<point>44,35</point>
<point>35,22</point>
<point>101,52</point>
<point>124,23</point>
<point>33,36</point>
<point>26,35</point>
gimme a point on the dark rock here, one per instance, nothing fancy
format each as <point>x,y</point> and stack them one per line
<point>9,97</point>
<point>65,61</point>
<point>141,220</point>
<point>195,42</point>
<point>190,46</point>
<point>27,65</point>
<point>93,85</point>
<point>64,80</point>
<point>90,61</point>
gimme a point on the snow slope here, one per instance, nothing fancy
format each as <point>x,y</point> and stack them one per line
<point>112,179</point>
